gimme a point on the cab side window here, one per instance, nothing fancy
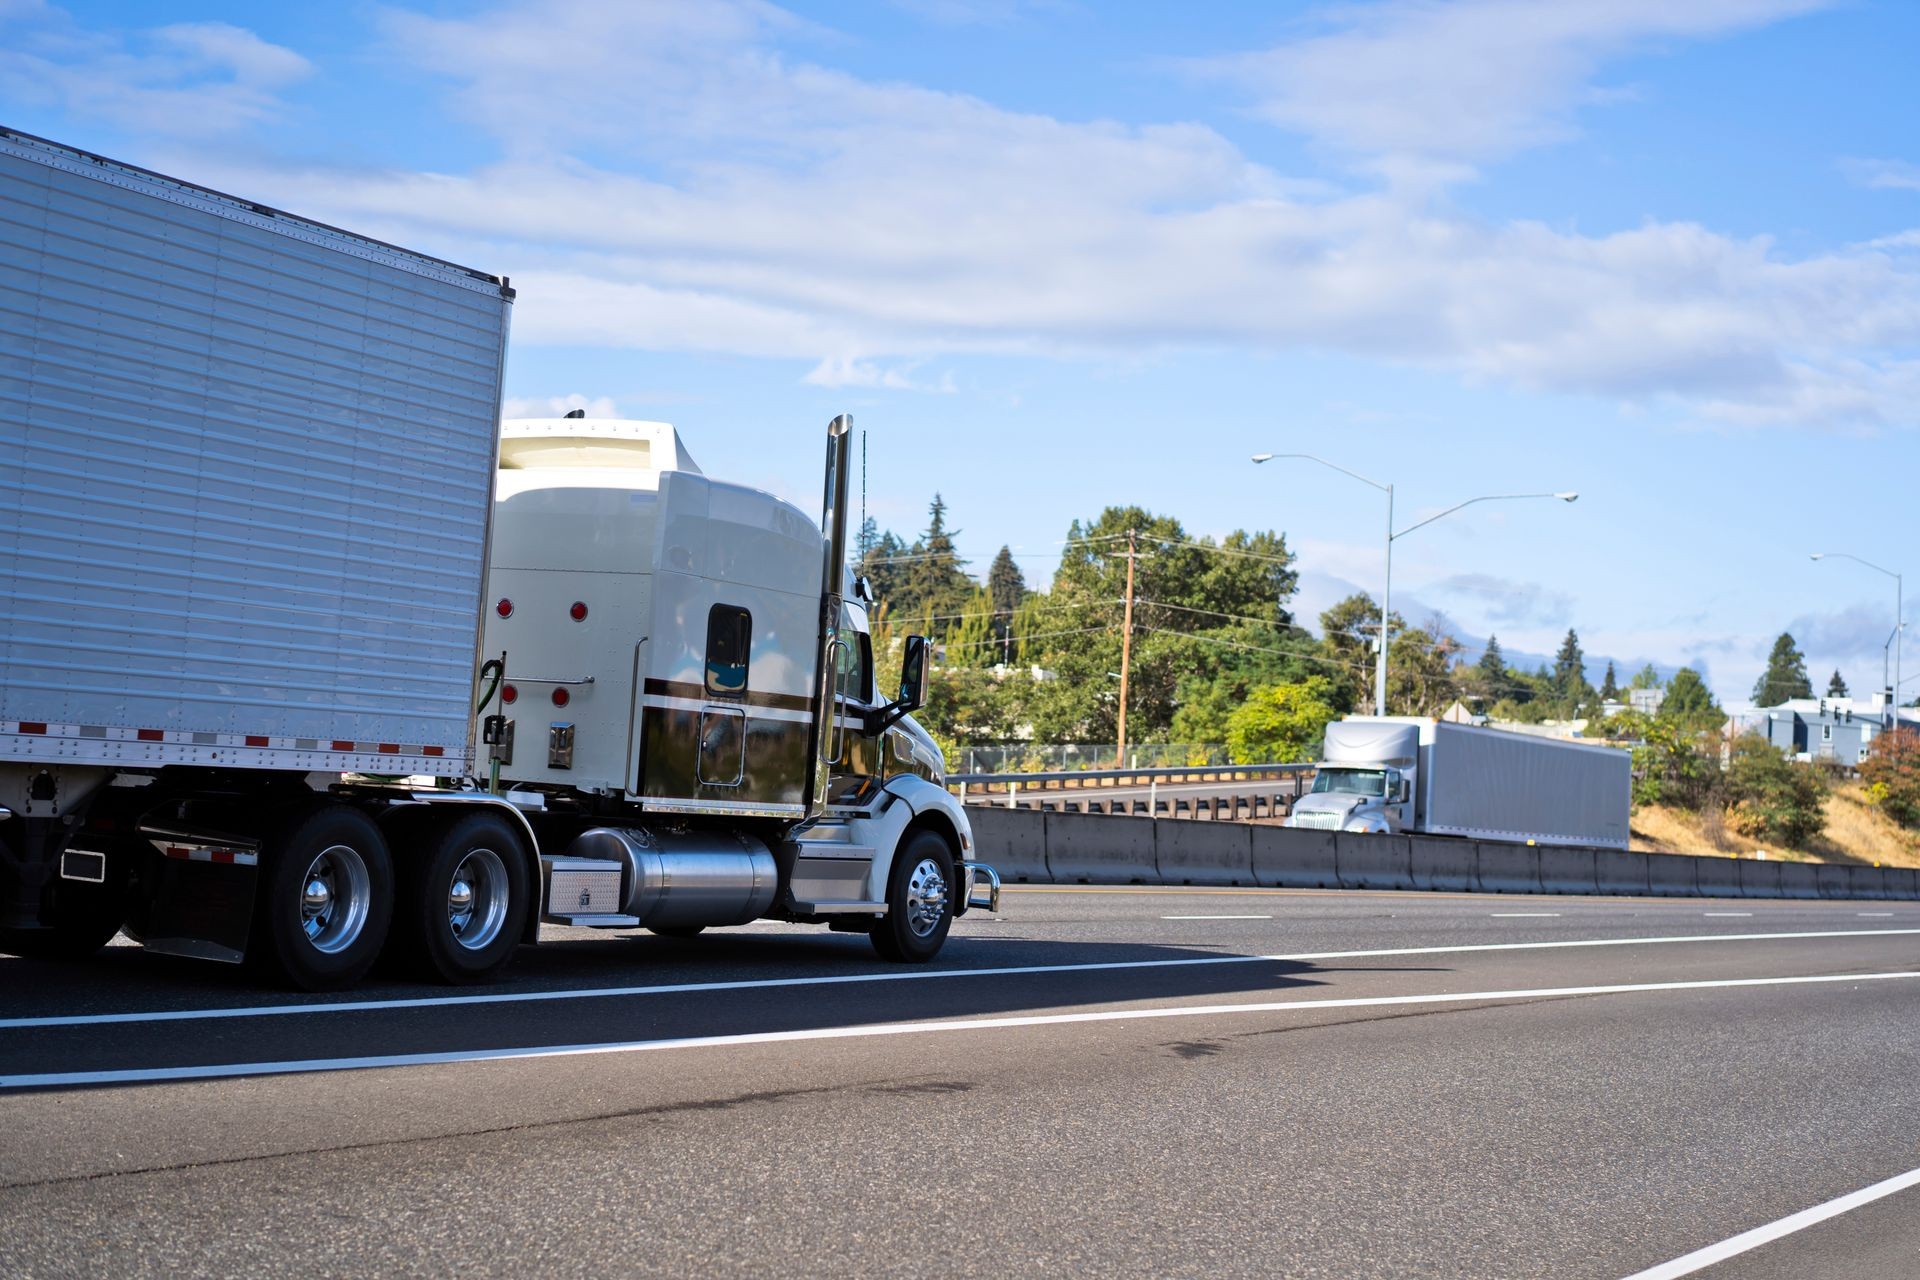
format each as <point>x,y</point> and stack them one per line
<point>853,667</point>
<point>729,637</point>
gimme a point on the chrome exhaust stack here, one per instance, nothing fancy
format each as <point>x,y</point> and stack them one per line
<point>833,569</point>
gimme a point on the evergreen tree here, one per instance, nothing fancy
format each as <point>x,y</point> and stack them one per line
<point>1836,687</point>
<point>1785,676</point>
<point>1493,663</point>
<point>1690,703</point>
<point>1646,678</point>
<point>1570,687</point>
<point>1610,687</point>
<point>1005,583</point>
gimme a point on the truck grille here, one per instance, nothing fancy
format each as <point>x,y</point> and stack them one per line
<point>1317,821</point>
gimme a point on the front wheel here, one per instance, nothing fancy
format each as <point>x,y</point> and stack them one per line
<point>324,900</point>
<point>464,900</point>
<point>919,901</point>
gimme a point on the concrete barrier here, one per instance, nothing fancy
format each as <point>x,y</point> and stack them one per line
<point>1088,848</point>
<point>1436,862</point>
<point>1507,868</point>
<point>1012,842</point>
<point>1903,883</point>
<point>1869,883</point>
<point>1289,858</point>
<point>1619,871</point>
<point>1564,870</point>
<point>1373,861</point>
<point>1719,877</point>
<point>1798,880</point>
<point>1203,852</point>
<point>1833,881</point>
<point>1673,875</point>
<point>1759,878</point>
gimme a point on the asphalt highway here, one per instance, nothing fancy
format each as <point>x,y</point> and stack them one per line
<point>1141,1081</point>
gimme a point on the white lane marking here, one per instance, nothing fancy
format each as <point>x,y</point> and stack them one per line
<point>1725,915</point>
<point>1524,915</point>
<point>1700,1259</point>
<point>920,975</point>
<point>1216,917</point>
<point>141,1075</point>
<point>1874,915</point>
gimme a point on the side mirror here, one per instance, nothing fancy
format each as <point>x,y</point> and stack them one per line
<point>1406,790</point>
<point>913,673</point>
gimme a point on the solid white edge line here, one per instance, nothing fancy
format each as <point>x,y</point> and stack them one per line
<point>1524,915</point>
<point>1700,1259</point>
<point>145,1075</point>
<point>1216,917</point>
<point>922,975</point>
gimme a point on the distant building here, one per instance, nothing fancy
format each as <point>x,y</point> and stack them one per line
<point>1459,713</point>
<point>1838,729</point>
<point>1646,701</point>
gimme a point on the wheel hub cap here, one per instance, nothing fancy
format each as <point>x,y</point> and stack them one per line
<point>477,899</point>
<point>926,898</point>
<point>335,895</point>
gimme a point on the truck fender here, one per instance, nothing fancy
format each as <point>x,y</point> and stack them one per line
<point>915,803</point>
<point>535,880</point>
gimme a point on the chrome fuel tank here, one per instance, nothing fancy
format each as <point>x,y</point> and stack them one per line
<point>685,878</point>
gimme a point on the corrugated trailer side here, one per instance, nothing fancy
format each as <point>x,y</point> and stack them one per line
<point>1492,785</point>
<point>246,466</point>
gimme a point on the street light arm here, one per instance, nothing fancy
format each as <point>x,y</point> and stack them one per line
<point>1491,497</point>
<point>1842,555</point>
<point>1268,457</point>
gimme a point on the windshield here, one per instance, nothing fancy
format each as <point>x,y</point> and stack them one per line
<point>1356,782</point>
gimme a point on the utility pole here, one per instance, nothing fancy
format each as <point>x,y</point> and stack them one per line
<point>1126,655</point>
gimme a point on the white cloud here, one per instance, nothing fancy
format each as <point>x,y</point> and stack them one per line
<point>558,406</point>
<point>1424,89</point>
<point>844,371</point>
<point>184,79</point>
<point>742,202</point>
<point>1505,600</point>
<point>1884,175</point>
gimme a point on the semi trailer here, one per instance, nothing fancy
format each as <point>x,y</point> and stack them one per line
<point>1435,777</point>
<point>306,657</point>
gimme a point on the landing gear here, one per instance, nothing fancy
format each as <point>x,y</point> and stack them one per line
<point>920,893</point>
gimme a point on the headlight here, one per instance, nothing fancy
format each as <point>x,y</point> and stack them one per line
<point>1366,826</point>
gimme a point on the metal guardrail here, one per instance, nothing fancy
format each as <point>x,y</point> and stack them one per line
<point>1005,789</point>
<point>1136,777</point>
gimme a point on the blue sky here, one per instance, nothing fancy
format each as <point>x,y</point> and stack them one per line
<point>1056,255</point>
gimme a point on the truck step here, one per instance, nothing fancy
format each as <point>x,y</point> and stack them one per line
<point>839,906</point>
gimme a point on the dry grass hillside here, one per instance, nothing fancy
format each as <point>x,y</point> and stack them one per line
<point>1856,832</point>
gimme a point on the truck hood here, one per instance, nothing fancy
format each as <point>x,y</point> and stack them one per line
<point>1327,811</point>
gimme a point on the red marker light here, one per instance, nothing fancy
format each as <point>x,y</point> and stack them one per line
<point>504,608</point>
<point>579,611</point>
<point>561,698</point>
<point>509,694</point>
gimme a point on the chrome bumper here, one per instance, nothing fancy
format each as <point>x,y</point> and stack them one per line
<point>977,871</point>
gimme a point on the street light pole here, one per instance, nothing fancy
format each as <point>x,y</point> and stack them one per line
<point>1899,622</point>
<point>1386,594</point>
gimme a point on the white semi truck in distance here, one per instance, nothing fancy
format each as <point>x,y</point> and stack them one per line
<point>307,657</point>
<point>1435,777</point>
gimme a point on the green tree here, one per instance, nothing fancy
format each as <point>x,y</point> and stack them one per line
<point>1646,678</point>
<point>1610,686</point>
<point>1785,676</point>
<point>1891,771</point>
<point>1570,687</point>
<point>1005,583</point>
<point>1689,703</point>
<point>1836,687</point>
<point>1670,767</point>
<point>1349,631</point>
<point>1281,724</point>
<point>1770,797</point>
<point>933,579</point>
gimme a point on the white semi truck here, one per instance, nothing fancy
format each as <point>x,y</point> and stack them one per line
<point>308,657</point>
<point>1434,777</point>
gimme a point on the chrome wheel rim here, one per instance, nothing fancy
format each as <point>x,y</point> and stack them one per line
<point>477,899</point>
<point>335,895</point>
<point>926,898</point>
